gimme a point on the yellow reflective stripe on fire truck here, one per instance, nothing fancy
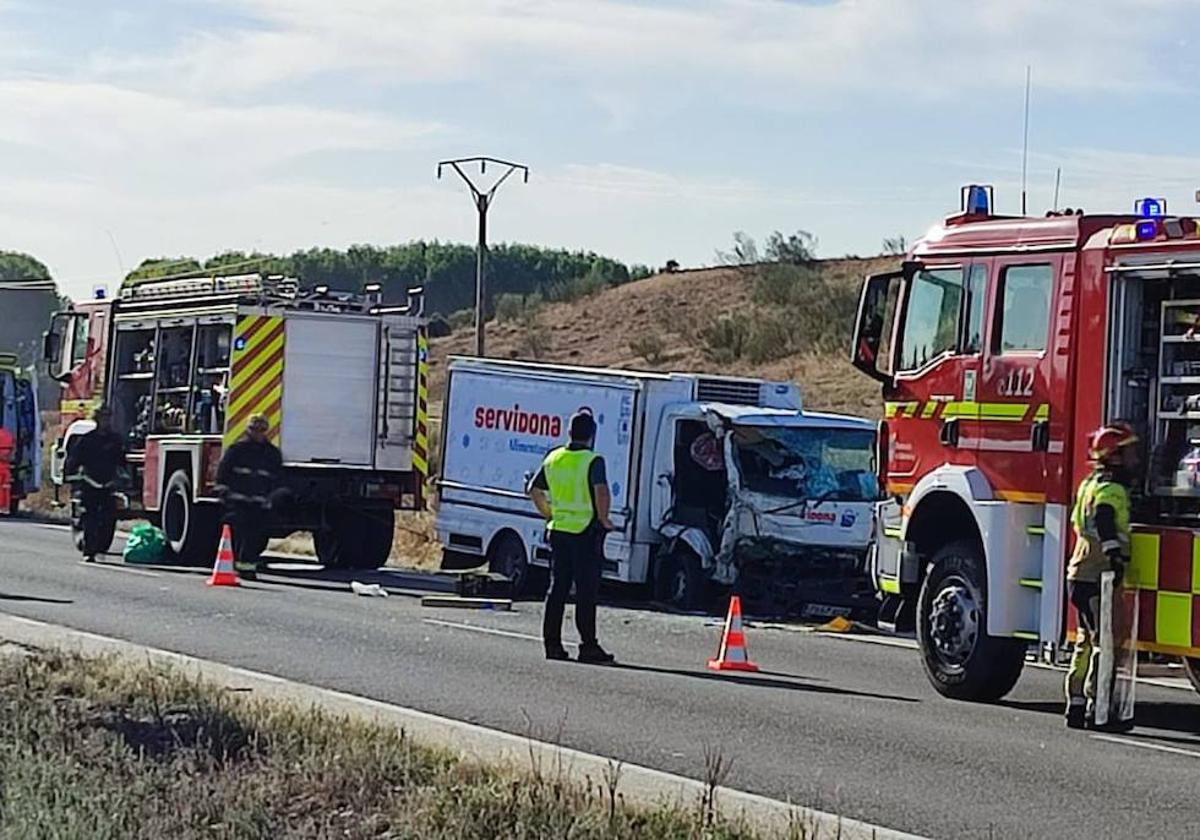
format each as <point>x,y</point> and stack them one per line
<point>1002,412</point>
<point>421,437</point>
<point>889,585</point>
<point>256,376</point>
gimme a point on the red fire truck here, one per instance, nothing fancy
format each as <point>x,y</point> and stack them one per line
<point>185,363</point>
<point>1001,343</point>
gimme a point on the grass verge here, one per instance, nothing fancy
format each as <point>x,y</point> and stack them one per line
<point>100,748</point>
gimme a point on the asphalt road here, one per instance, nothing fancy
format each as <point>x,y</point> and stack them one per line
<point>848,726</point>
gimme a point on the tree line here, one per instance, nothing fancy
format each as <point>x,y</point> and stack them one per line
<point>445,270</point>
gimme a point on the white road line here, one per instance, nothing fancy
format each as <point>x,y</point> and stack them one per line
<point>1147,745</point>
<point>489,630</point>
<point>52,527</point>
<point>113,567</point>
<point>1178,684</point>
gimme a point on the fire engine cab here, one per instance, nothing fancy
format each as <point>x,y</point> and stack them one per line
<point>185,363</point>
<point>1001,344</point>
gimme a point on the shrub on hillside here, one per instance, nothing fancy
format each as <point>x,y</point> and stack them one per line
<point>461,319</point>
<point>724,339</point>
<point>510,307</point>
<point>649,346</point>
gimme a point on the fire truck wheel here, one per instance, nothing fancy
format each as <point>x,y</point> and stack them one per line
<point>679,581</point>
<point>961,659</point>
<point>356,539</point>
<point>191,528</point>
<point>1192,668</point>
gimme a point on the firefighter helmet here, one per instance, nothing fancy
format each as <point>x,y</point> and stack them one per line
<point>1109,440</point>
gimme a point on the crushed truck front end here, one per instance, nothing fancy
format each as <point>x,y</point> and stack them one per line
<point>796,533</point>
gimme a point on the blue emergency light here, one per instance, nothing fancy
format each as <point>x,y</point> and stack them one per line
<point>1150,208</point>
<point>977,199</point>
<point>1147,229</point>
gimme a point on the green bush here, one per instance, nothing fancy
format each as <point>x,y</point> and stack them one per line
<point>724,339</point>
<point>649,346</point>
<point>462,319</point>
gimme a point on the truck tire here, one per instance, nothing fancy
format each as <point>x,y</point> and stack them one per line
<point>191,528</point>
<point>356,539</point>
<point>507,557</point>
<point>1192,668</point>
<point>961,660</point>
<point>679,581</point>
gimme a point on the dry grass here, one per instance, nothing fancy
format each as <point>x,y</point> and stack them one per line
<point>99,749</point>
<point>659,323</point>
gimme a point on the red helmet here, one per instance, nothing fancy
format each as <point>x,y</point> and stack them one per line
<point>1108,440</point>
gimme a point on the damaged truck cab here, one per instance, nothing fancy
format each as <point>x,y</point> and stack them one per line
<point>718,483</point>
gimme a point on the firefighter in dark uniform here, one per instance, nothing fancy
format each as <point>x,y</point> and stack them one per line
<point>93,461</point>
<point>571,492</point>
<point>1102,543</point>
<point>248,480</point>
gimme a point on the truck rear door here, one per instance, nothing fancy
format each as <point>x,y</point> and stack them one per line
<point>329,390</point>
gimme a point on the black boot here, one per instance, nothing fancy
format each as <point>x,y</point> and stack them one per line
<point>557,653</point>
<point>1076,716</point>
<point>593,654</point>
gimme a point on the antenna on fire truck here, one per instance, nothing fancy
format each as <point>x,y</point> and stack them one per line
<point>1025,143</point>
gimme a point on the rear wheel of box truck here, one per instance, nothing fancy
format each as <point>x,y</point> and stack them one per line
<point>191,527</point>
<point>961,659</point>
<point>356,538</point>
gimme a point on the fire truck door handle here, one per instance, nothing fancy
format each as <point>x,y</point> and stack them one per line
<point>1039,436</point>
<point>949,432</point>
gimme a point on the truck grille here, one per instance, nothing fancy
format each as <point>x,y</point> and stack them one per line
<point>729,391</point>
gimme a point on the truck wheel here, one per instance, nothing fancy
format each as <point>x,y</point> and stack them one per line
<point>679,581</point>
<point>1192,668</point>
<point>191,528</point>
<point>961,659</point>
<point>356,539</point>
<point>507,557</point>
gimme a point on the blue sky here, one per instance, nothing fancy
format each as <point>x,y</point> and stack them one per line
<point>653,129</point>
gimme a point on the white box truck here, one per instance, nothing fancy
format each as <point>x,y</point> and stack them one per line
<point>717,483</point>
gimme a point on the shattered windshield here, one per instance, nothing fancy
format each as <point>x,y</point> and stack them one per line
<point>804,463</point>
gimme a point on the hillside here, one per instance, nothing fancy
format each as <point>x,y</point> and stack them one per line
<point>666,322</point>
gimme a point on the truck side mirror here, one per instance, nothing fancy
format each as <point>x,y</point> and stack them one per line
<point>51,349</point>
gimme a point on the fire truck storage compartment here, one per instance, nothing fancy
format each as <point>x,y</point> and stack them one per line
<point>170,378</point>
<point>1153,375</point>
<point>329,378</point>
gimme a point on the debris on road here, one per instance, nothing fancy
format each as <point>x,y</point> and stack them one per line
<point>368,590</point>
<point>502,604</point>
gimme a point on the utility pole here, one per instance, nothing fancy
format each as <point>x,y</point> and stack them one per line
<point>483,201</point>
<point>1025,141</point>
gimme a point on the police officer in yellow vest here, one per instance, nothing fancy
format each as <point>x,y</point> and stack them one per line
<point>1102,543</point>
<point>571,492</point>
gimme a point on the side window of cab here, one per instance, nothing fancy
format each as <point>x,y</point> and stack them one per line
<point>932,317</point>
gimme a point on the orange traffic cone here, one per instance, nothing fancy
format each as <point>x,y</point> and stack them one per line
<point>732,655</point>
<point>223,572</point>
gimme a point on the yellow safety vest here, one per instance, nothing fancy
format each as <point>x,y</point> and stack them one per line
<point>1088,560</point>
<point>571,508</point>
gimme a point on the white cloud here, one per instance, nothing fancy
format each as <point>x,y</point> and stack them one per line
<point>920,48</point>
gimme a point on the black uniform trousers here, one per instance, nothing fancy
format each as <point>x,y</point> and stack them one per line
<point>574,558</point>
